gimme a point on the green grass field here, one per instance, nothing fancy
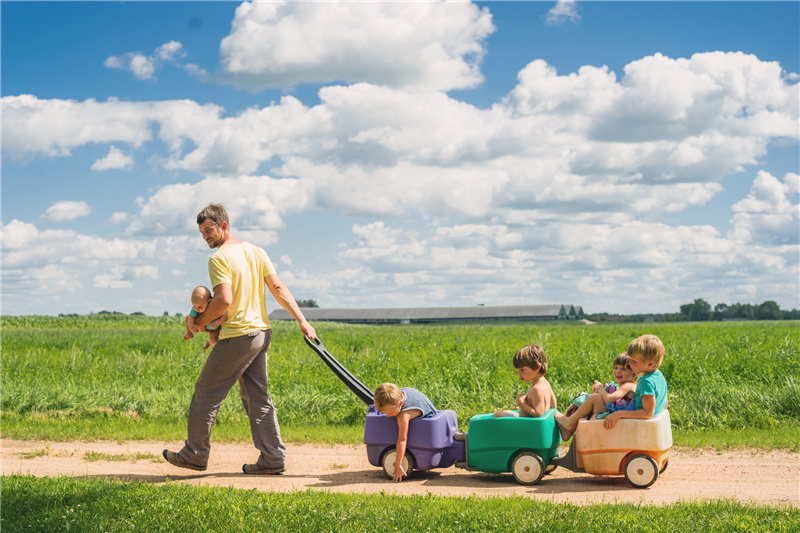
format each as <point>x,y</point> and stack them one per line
<point>69,504</point>
<point>111,377</point>
<point>128,378</point>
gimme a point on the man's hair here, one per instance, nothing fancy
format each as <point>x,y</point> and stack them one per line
<point>387,395</point>
<point>647,348</point>
<point>531,356</point>
<point>214,212</point>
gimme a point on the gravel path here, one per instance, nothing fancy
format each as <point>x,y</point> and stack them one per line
<point>749,476</point>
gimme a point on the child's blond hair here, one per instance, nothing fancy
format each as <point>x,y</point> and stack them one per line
<point>531,356</point>
<point>647,348</point>
<point>387,395</point>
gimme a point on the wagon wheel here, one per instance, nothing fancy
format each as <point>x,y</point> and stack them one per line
<point>666,462</point>
<point>528,468</point>
<point>389,459</point>
<point>550,468</point>
<point>641,471</point>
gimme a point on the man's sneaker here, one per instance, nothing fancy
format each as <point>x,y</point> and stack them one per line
<point>258,469</point>
<point>176,460</point>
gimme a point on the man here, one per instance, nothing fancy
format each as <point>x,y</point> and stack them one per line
<point>238,272</point>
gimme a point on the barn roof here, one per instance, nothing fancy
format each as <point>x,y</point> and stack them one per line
<point>430,314</point>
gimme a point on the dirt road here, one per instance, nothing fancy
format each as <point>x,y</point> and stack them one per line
<point>771,478</point>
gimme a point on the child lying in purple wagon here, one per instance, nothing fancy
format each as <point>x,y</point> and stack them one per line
<point>404,403</point>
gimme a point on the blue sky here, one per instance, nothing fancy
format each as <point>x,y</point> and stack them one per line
<point>624,156</point>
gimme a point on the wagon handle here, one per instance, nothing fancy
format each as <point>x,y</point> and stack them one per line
<point>362,392</point>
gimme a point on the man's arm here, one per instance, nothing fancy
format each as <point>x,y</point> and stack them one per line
<point>217,306</point>
<point>282,295</point>
<point>218,321</point>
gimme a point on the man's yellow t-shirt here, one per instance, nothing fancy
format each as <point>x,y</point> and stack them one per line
<point>244,266</point>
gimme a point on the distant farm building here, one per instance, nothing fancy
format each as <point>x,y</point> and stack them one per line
<point>431,315</point>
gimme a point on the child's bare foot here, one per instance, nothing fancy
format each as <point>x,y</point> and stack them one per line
<point>564,426</point>
<point>188,336</point>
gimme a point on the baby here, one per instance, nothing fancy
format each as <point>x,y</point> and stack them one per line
<point>200,298</point>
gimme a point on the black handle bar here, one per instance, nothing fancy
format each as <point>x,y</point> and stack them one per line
<point>362,392</point>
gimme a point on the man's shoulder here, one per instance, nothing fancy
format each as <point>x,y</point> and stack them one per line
<point>254,248</point>
<point>232,250</point>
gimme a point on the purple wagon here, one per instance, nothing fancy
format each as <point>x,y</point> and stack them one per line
<point>431,441</point>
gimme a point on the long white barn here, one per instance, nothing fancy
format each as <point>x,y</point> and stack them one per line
<point>428,315</point>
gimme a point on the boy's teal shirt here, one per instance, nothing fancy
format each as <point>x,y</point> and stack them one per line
<point>652,384</point>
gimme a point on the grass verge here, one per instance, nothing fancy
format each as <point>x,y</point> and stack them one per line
<point>70,504</point>
<point>92,427</point>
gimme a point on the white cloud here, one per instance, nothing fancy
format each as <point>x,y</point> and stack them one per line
<point>53,282</point>
<point>16,234</point>
<point>196,71</point>
<point>256,204</point>
<point>170,51</point>
<point>258,237</point>
<point>767,214</point>
<point>145,272</point>
<point>487,236</point>
<point>119,217</point>
<point>115,159</point>
<point>560,189</point>
<point>710,116</point>
<point>416,46</point>
<point>144,67</point>
<point>55,127</point>
<point>26,245</point>
<point>56,263</point>
<point>140,65</point>
<point>66,211</point>
<point>644,266</point>
<point>112,281</point>
<point>564,9</point>
<point>376,234</point>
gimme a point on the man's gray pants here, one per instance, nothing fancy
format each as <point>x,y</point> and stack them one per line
<point>244,359</point>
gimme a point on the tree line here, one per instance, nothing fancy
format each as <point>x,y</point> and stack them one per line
<point>701,311</point>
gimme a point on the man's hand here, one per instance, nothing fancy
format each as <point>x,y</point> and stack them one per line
<point>308,329</point>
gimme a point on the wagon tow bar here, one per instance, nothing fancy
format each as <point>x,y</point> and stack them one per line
<point>362,392</point>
